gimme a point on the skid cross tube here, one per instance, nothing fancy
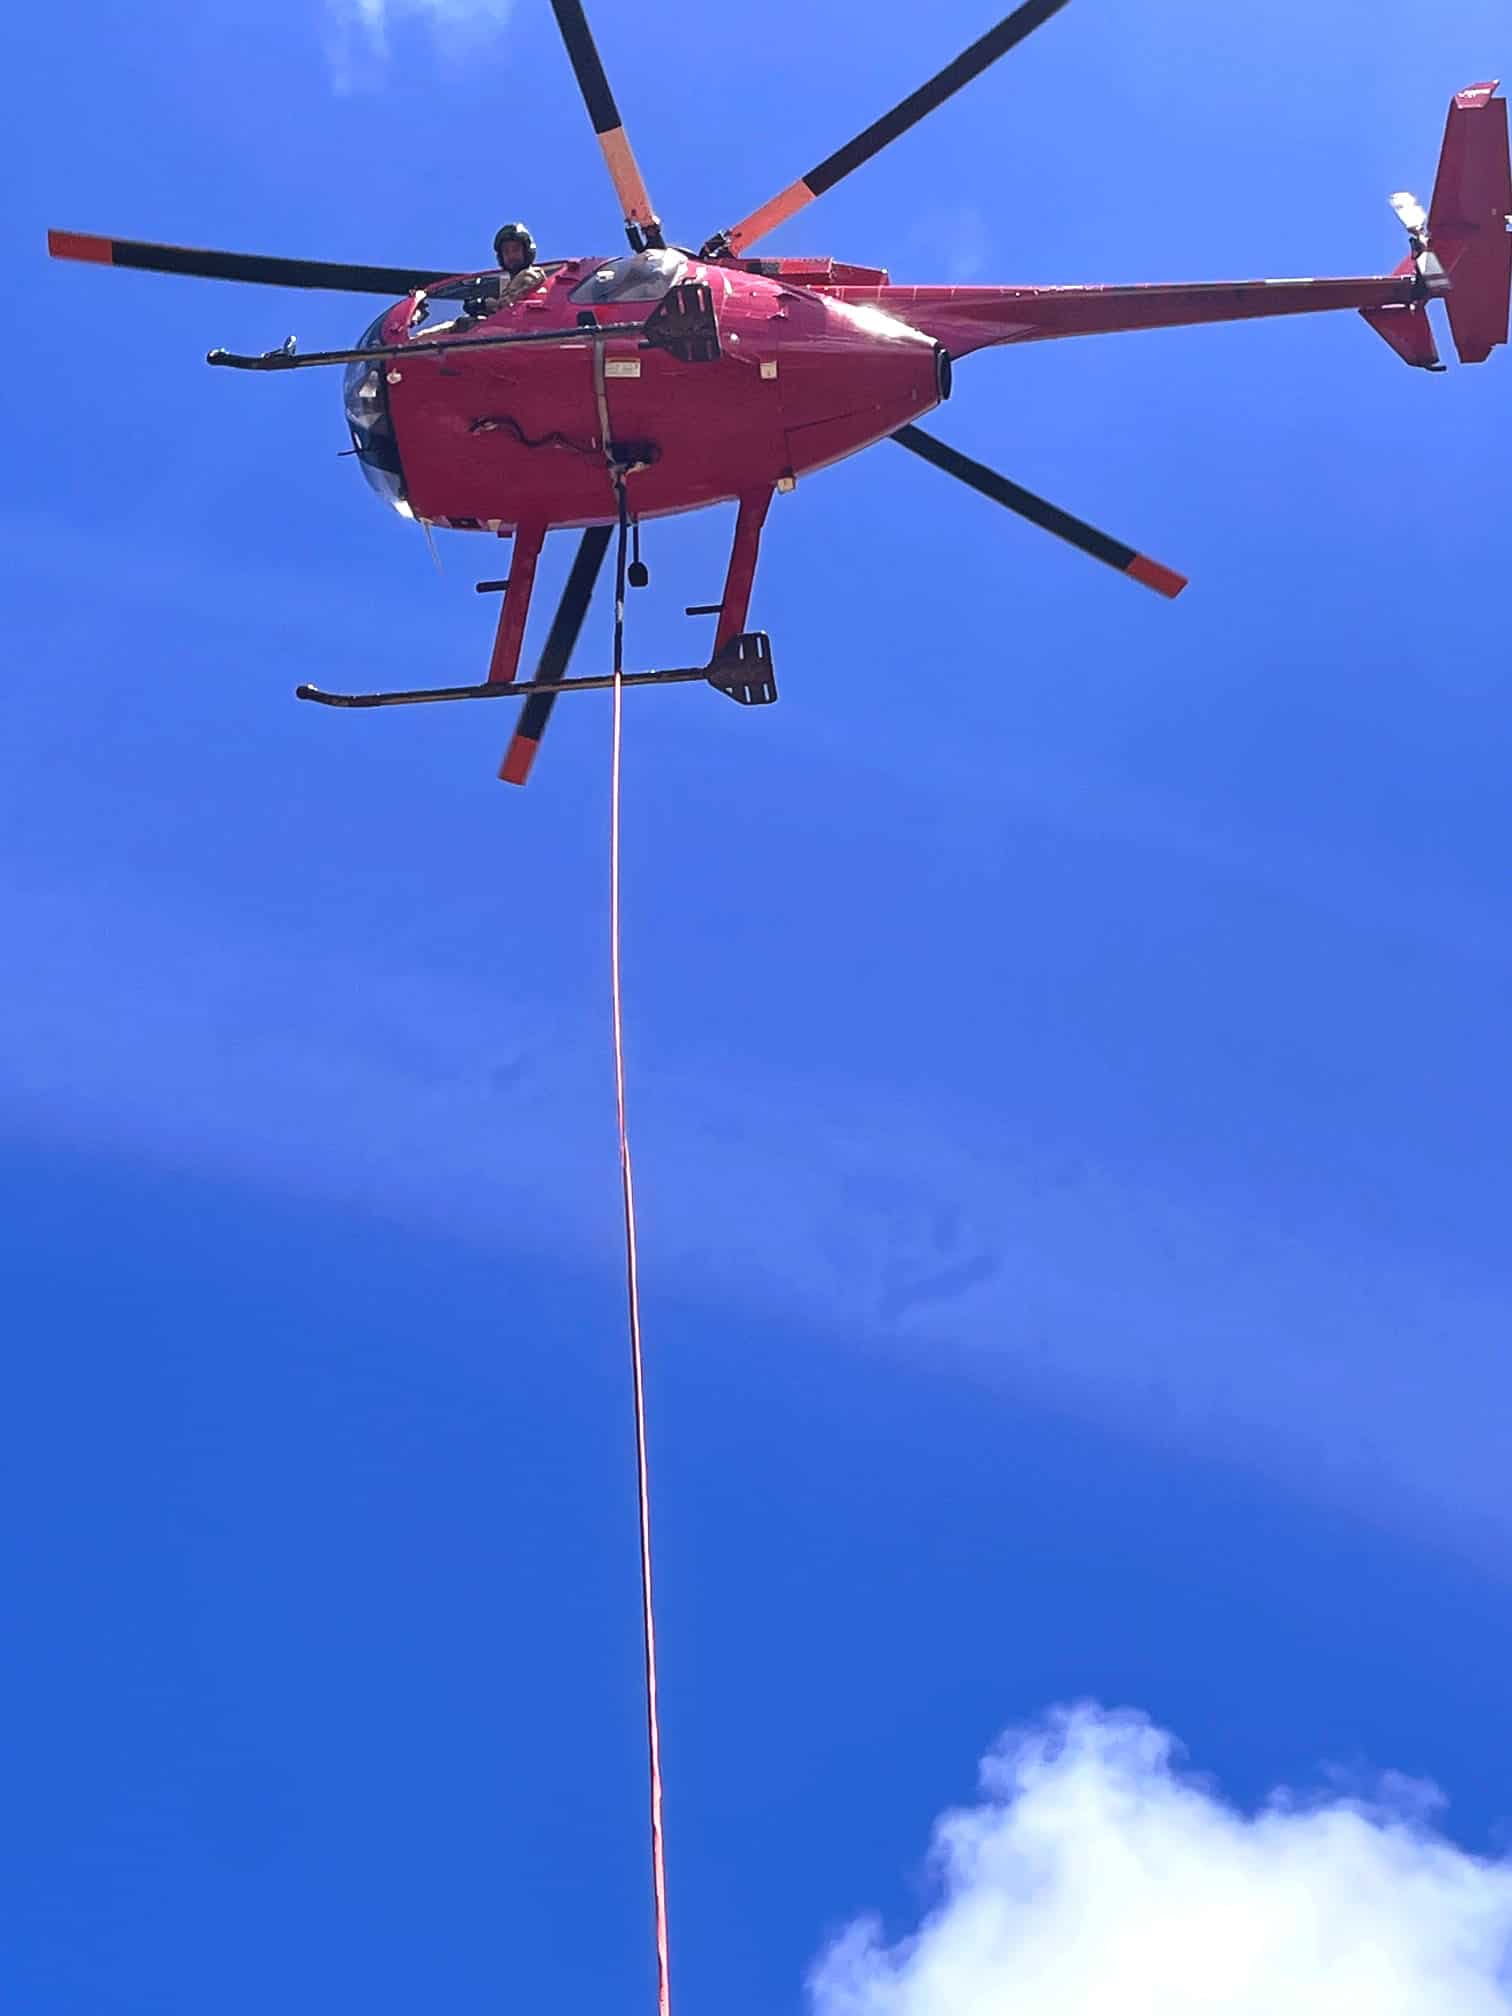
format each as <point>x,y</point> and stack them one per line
<point>742,672</point>
<point>515,689</point>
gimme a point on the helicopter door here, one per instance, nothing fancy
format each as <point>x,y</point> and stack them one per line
<point>493,437</point>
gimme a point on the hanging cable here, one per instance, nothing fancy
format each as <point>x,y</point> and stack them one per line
<point>632,1275</point>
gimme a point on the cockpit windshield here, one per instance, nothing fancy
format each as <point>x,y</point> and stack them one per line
<point>365,395</point>
<point>639,276</point>
<point>476,296</point>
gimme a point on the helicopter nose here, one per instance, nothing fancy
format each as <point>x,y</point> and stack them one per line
<point>366,400</point>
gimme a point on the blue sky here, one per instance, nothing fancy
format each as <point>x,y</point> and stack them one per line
<point>1067,1042</point>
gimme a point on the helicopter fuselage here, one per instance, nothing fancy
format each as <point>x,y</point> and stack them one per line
<point>480,436</point>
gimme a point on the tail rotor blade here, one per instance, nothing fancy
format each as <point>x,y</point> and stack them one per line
<point>642,224</point>
<point>557,655</point>
<point>202,265</point>
<point>1049,517</point>
<point>970,64</point>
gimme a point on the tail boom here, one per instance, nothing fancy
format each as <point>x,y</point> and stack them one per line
<point>969,318</point>
<point>1462,250</point>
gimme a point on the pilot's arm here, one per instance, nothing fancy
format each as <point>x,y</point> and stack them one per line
<point>516,285</point>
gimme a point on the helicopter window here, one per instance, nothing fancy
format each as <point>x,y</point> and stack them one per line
<point>366,399</point>
<point>639,276</point>
<point>476,295</point>
<point>442,298</point>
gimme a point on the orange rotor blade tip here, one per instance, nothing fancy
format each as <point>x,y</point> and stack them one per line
<point>518,757</point>
<point>1150,574</point>
<point>79,245</point>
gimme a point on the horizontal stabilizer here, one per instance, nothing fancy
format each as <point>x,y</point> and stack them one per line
<point>1409,332</point>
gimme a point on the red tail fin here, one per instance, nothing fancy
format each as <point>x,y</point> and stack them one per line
<point>1461,250</point>
<point>1470,221</point>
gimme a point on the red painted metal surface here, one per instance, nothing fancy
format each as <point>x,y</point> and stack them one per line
<point>969,318</point>
<point>1407,330</point>
<point>1469,221</point>
<point>510,635</point>
<point>735,603</point>
<point>495,437</point>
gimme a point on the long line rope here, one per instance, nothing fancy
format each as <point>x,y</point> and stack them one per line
<point>632,1274</point>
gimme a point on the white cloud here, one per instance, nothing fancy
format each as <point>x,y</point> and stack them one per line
<point>360,31</point>
<point>1095,1877</point>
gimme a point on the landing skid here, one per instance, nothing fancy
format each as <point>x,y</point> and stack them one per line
<point>742,671</point>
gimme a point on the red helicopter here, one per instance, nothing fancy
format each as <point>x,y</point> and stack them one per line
<point>603,392</point>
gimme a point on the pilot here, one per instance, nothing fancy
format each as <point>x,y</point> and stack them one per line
<point>515,250</point>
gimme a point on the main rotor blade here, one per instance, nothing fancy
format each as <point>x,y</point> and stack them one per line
<point>252,266</point>
<point>908,112</point>
<point>556,656</point>
<point>642,224</point>
<point>1049,517</point>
